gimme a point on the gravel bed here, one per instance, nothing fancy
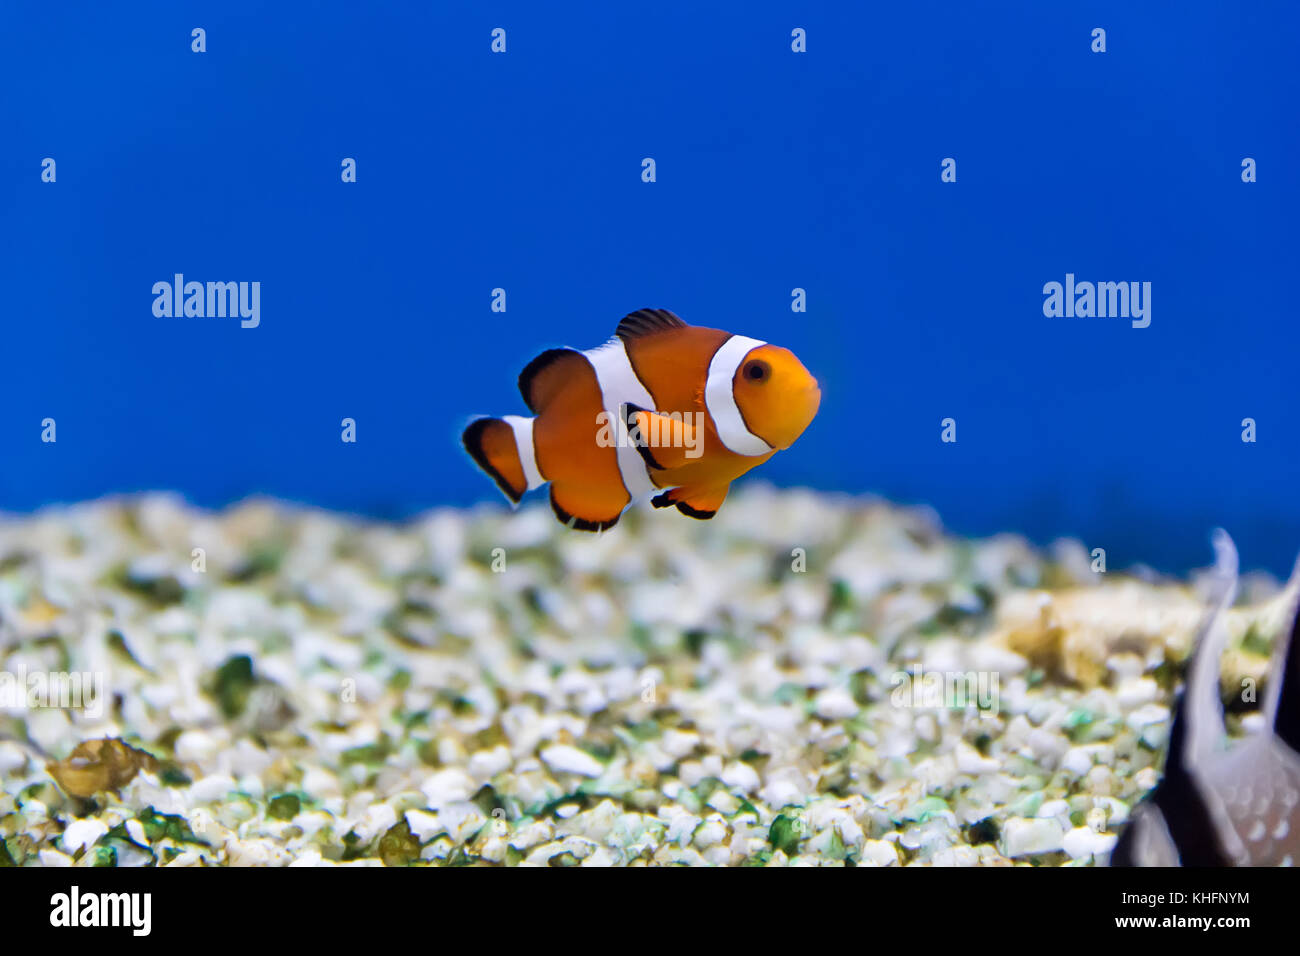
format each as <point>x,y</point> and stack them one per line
<point>778,686</point>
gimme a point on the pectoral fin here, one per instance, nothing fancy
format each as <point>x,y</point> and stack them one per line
<point>664,441</point>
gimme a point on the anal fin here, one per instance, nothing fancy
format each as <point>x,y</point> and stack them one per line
<point>585,510</point>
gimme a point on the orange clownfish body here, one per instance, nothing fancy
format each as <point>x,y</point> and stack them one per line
<point>663,405</point>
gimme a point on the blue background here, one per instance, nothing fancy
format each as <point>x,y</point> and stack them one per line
<point>775,170</point>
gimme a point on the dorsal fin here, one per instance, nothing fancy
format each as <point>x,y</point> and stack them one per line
<point>545,375</point>
<point>646,322</point>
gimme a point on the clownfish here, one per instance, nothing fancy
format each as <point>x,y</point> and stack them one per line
<point>1233,806</point>
<point>662,407</point>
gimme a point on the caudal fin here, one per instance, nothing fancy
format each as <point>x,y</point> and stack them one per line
<point>503,447</point>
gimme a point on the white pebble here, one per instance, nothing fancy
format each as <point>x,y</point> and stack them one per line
<point>1025,837</point>
<point>1083,842</point>
<point>423,825</point>
<point>741,776</point>
<point>446,787</point>
<point>1147,714</point>
<point>211,788</point>
<point>678,743</point>
<point>82,834</point>
<point>970,760</point>
<point>1054,808</point>
<point>197,746</point>
<point>1077,760</point>
<point>565,759</point>
<point>835,703</point>
<point>376,821</point>
<point>486,764</point>
<point>879,853</point>
<point>710,833</point>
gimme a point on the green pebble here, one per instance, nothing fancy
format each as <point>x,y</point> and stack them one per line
<point>399,846</point>
<point>284,807</point>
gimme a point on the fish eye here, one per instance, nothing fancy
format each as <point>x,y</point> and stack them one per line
<point>758,371</point>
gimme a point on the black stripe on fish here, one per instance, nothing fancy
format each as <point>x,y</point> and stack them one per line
<point>638,440</point>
